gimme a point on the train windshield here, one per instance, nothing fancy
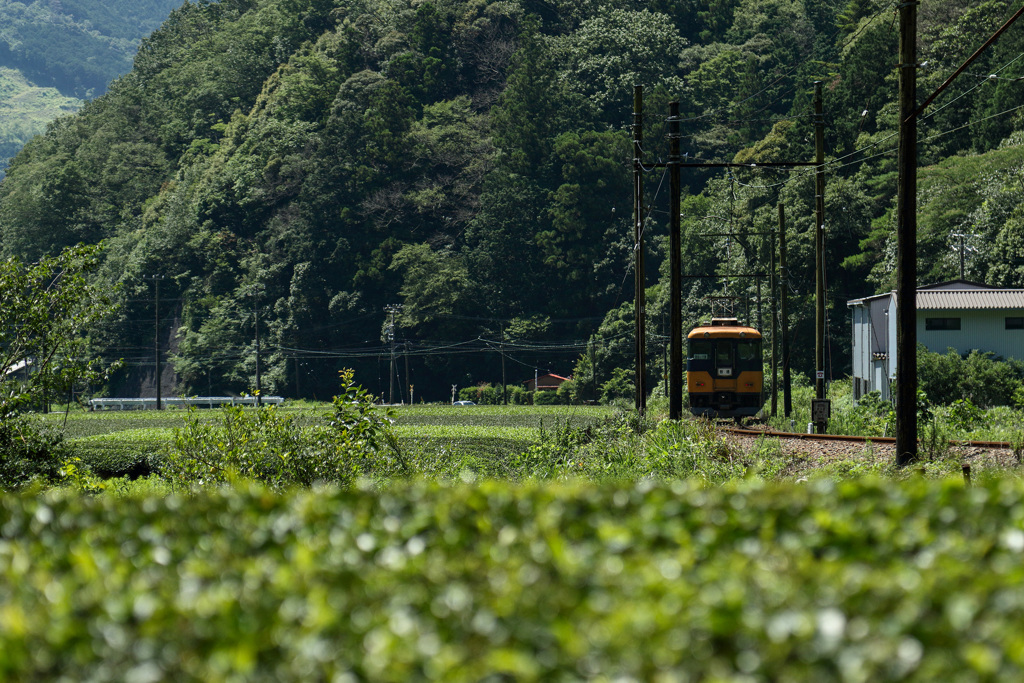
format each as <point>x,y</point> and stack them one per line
<point>723,353</point>
<point>748,350</point>
<point>700,350</point>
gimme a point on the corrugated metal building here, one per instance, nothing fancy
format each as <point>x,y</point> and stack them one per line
<point>958,314</point>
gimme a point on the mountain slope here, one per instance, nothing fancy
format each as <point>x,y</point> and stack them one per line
<point>308,163</point>
<point>25,110</point>
<point>54,55</point>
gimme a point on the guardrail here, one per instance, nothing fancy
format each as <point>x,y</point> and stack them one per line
<point>179,402</point>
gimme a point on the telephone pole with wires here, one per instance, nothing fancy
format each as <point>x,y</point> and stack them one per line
<point>640,305</point>
<point>255,293</point>
<point>674,165</point>
<point>963,248</point>
<point>819,258</point>
<point>906,223</point>
<point>156,336</point>
<point>906,245</point>
<point>391,310</point>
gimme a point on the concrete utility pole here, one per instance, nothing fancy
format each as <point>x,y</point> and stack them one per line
<point>640,312</point>
<point>906,244</point>
<point>819,251</point>
<point>675,401</point>
<point>156,334</point>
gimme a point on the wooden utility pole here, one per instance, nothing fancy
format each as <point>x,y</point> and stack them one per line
<point>674,165</point>
<point>640,313</point>
<point>819,250</point>
<point>675,401</point>
<point>773,286</point>
<point>156,339</point>
<point>504,386</point>
<point>259,375</point>
<point>391,309</point>
<point>906,242</point>
<point>408,379</point>
<point>787,394</point>
<point>156,335</point>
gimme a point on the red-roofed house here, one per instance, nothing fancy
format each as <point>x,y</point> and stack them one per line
<point>547,382</point>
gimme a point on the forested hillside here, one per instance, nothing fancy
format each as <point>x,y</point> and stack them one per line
<point>73,47</point>
<point>25,109</point>
<point>305,163</point>
<point>76,46</point>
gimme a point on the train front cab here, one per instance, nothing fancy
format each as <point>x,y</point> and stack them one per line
<point>724,373</point>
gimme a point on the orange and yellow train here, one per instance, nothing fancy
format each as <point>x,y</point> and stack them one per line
<point>724,374</point>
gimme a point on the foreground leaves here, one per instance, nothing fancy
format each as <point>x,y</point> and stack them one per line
<point>858,581</point>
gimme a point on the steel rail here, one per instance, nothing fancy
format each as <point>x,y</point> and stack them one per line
<point>747,431</point>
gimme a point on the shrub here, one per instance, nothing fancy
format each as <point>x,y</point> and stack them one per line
<point>870,417</point>
<point>546,398</point>
<point>619,386</point>
<point>979,377</point>
<point>518,395</point>
<point>568,393</point>
<point>964,415</point>
<point>29,453</point>
<point>270,446</point>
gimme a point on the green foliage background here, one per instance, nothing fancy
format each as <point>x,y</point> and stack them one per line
<point>471,160</point>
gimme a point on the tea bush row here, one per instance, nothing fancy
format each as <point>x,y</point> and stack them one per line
<point>858,581</point>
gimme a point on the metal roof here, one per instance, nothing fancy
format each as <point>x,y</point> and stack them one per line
<point>975,299</point>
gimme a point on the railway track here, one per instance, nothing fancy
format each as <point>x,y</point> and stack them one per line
<point>809,453</point>
<point>757,431</point>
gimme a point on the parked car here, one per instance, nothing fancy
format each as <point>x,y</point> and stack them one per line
<point>463,403</point>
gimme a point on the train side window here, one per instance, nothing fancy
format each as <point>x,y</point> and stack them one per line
<point>700,350</point>
<point>723,353</point>
<point>748,350</point>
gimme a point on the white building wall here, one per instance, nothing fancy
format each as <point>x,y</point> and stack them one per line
<point>860,354</point>
<point>983,330</point>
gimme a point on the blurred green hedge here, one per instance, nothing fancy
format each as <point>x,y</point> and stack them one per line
<point>857,581</point>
